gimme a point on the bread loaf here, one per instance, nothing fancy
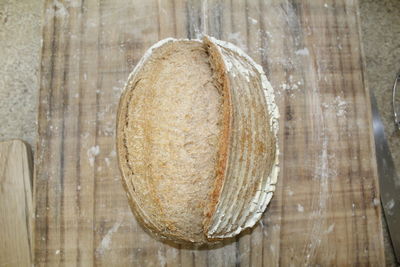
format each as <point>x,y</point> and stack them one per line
<point>196,139</point>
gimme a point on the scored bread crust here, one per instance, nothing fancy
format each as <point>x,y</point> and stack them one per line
<point>220,220</point>
<point>238,209</point>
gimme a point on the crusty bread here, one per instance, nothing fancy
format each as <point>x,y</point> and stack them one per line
<point>196,139</point>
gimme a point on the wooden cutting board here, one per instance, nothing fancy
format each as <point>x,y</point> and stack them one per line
<point>16,209</point>
<point>326,208</point>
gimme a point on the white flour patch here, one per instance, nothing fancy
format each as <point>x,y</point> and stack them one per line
<point>117,89</point>
<point>300,208</point>
<point>289,87</point>
<point>338,106</point>
<point>253,21</point>
<point>284,86</point>
<point>109,129</point>
<point>389,206</point>
<point>302,52</point>
<point>161,258</point>
<point>322,173</point>
<point>376,202</point>
<point>341,106</point>
<point>330,229</point>
<point>92,153</point>
<point>291,84</point>
<point>106,241</point>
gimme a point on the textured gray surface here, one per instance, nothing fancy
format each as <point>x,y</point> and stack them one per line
<point>20,47</point>
<point>380,25</point>
<point>381,39</point>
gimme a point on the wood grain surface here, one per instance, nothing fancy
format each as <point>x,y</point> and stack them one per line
<point>16,205</point>
<point>326,208</point>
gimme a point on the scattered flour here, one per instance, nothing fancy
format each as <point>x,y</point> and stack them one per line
<point>341,106</point>
<point>253,21</point>
<point>106,241</point>
<point>291,85</point>
<point>117,89</point>
<point>284,86</point>
<point>325,105</point>
<point>302,52</point>
<point>338,106</point>
<point>330,228</point>
<point>300,208</point>
<point>389,207</point>
<point>113,154</point>
<point>92,153</point>
<point>161,258</point>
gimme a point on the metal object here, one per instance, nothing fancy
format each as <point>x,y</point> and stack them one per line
<point>389,181</point>
<point>396,106</point>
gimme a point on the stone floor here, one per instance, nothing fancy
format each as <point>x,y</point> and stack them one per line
<point>20,46</point>
<point>380,25</point>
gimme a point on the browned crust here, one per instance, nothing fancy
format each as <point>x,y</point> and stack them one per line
<point>222,79</point>
<point>122,151</point>
<point>223,149</point>
<point>225,138</point>
<point>121,145</point>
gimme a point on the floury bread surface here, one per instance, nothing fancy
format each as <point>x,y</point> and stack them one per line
<point>196,138</point>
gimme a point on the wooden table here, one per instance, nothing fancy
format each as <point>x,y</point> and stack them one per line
<point>326,208</point>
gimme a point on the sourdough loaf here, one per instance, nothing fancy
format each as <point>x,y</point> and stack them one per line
<point>196,139</point>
